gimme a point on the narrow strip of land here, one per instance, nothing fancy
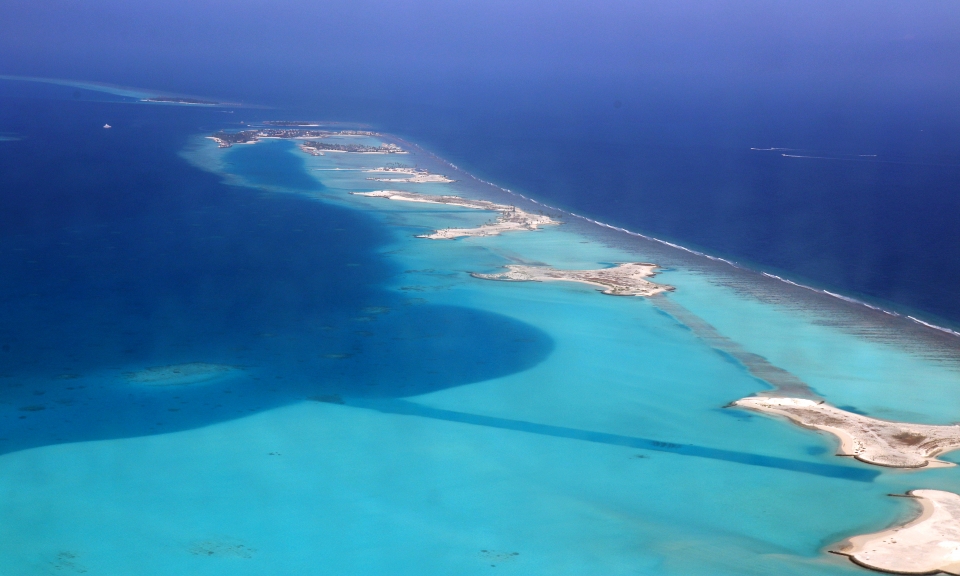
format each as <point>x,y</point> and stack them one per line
<point>317,148</point>
<point>226,139</point>
<point>509,218</point>
<point>628,279</point>
<point>408,175</point>
<point>870,440</point>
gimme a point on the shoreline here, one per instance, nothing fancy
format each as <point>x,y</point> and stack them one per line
<point>930,332</point>
<point>851,444</point>
<point>717,259</point>
<point>626,279</point>
<point>927,544</point>
<point>509,218</point>
<point>414,175</point>
<point>869,440</point>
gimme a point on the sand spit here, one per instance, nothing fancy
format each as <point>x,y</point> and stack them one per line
<point>880,442</point>
<point>629,279</point>
<point>510,218</point>
<point>927,544</point>
<point>180,374</point>
<point>409,175</point>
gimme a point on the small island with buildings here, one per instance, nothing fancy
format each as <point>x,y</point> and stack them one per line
<point>226,139</point>
<point>408,175</point>
<point>315,148</point>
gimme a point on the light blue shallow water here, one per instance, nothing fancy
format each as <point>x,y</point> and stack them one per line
<point>575,433</point>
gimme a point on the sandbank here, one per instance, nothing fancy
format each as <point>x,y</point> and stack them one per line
<point>510,218</point>
<point>180,374</point>
<point>870,440</point>
<point>628,279</point>
<point>928,544</point>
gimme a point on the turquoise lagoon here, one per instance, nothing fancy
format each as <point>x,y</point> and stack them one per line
<point>606,451</point>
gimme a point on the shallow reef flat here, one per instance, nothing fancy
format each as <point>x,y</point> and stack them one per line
<point>659,355</point>
<point>870,440</point>
<point>628,279</point>
<point>928,544</point>
<point>509,219</point>
<point>180,374</point>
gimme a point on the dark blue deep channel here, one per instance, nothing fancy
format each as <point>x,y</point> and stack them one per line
<point>116,254</point>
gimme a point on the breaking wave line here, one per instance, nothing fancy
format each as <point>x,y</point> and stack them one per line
<point>934,326</point>
<point>696,252</point>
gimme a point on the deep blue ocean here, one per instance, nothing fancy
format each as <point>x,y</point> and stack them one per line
<point>374,408</point>
<point>852,193</point>
<point>234,360</point>
<point>867,208</point>
<point>642,115</point>
<point>117,252</point>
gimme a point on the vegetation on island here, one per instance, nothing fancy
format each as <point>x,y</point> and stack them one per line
<point>315,148</point>
<point>227,139</point>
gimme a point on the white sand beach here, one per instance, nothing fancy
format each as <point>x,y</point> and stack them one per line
<point>870,440</point>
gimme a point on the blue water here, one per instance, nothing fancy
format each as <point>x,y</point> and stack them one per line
<point>868,215</point>
<point>387,412</point>
<point>638,114</point>
<point>272,165</point>
<point>876,227</point>
<point>116,254</point>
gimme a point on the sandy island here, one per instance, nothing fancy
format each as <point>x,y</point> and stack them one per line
<point>316,148</point>
<point>180,374</point>
<point>226,139</point>
<point>880,442</point>
<point>629,279</point>
<point>510,218</point>
<point>410,175</point>
<point>927,544</point>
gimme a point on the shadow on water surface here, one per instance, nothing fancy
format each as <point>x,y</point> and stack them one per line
<point>402,354</point>
<point>118,256</point>
<point>408,408</point>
